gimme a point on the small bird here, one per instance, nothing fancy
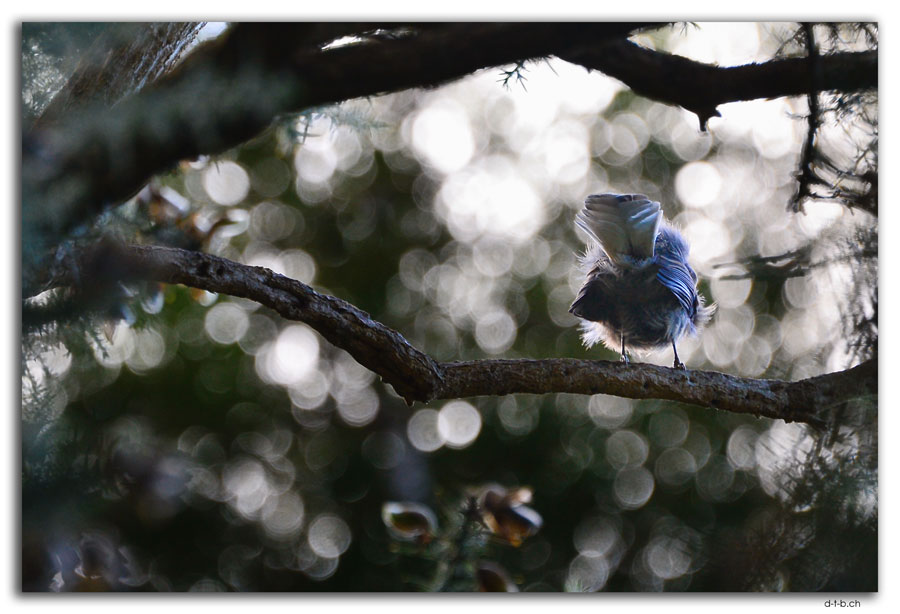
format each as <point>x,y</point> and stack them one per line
<point>640,292</point>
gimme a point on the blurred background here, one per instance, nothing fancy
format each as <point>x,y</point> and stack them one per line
<point>189,441</point>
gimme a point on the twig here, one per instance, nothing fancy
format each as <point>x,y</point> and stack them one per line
<point>806,176</point>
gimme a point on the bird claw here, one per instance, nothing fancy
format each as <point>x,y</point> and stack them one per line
<point>679,365</point>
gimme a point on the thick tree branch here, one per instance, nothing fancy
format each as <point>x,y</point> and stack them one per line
<point>417,377</point>
<point>700,87</point>
<point>121,61</point>
<point>229,91</point>
<point>412,373</point>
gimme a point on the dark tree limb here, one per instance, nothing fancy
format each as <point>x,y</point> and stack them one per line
<point>230,90</point>
<point>417,377</point>
<point>121,61</point>
<point>700,88</point>
<point>806,401</point>
<point>412,373</point>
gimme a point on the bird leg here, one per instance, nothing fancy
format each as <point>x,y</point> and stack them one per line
<point>678,363</point>
<point>624,355</point>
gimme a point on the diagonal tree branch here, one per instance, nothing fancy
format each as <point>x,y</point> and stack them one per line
<point>121,61</point>
<point>417,377</point>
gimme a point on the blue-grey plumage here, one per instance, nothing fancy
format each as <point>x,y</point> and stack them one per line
<point>640,291</point>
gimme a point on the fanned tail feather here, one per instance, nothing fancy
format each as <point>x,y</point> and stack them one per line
<point>624,225</point>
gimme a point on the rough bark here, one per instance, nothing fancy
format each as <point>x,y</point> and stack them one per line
<point>417,377</point>
<point>122,61</point>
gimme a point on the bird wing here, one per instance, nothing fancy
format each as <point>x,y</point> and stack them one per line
<point>676,275</point>
<point>623,224</point>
